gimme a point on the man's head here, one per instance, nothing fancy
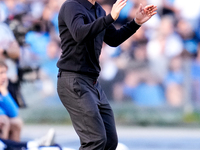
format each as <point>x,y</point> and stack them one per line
<point>3,72</point>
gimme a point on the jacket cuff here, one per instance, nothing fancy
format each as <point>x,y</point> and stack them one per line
<point>135,25</point>
<point>109,20</point>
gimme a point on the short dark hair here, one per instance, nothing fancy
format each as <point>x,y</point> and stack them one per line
<point>3,64</point>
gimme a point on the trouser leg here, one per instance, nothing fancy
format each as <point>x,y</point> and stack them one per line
<point>109,123</point>
<point>90,112</point>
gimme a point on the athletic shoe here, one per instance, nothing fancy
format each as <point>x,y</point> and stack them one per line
<point>48,139</point>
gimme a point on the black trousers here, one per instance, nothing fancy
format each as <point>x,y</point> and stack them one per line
<point>90,112</point>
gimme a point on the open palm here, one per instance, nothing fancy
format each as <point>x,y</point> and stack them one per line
<point>144,14</point>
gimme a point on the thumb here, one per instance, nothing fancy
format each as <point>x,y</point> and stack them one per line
<point>140,7</point>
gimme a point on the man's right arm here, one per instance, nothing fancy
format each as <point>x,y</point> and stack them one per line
<point>73,15</point>
<point>115,37</point>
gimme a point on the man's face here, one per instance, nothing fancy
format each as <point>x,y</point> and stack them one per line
<point>3,75</point>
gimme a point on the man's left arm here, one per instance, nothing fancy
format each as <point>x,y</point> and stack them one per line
<point>115,37</point>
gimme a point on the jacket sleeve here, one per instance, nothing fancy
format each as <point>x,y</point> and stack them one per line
<point>114,37</point>
<point>75,18</point>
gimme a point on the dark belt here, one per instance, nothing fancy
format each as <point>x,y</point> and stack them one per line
<point>61,71</point>
<point>59,74</point>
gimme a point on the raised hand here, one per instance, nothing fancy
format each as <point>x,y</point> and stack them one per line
<point>117,7</point>
<point>143,14</point>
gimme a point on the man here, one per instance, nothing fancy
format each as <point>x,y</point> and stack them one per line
<point>10,123</point>
<point>83,26</point>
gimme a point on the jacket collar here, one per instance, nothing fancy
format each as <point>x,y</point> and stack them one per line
<point>87,4</point>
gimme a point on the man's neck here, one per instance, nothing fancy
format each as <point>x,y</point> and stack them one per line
<point>92,1</point>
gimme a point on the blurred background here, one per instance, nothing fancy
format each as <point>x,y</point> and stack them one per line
<point>151,80</point>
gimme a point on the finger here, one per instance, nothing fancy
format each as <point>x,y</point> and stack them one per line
<point>122,4</point>
<point>149,7</point>
<point>153,8</point>
<point>118,1</point>
<point>150,10</point>
<point>153,13</point>
<point>140,7</point>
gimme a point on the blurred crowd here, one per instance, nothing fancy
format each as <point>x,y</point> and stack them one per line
<point>159,65</point>
<point>32,25</point>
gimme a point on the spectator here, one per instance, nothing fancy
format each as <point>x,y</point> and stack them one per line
<point>10,54</point>
<point>149,92</point>
<point>165,45</point>
<point>48,73</point>
<point>43,32</point>
<point>8,107</point>
<point>54,6</point>
<point>188,10</point>
<point>139,56</point>
<point>188,36</point>
<point>141,87</point>
<point>128,86</point>
<point>9,51</point>
<point>38,40</point>
<point>11,8</point>
<point>195,76</point>
<point>174,82</point>
<point>44,141</point>
<point>4,126</point>
<point>168,8</point>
